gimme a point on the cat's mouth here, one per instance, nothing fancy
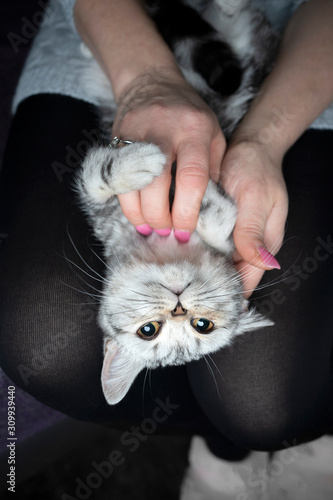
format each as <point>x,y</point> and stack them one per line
<point>176,290</point>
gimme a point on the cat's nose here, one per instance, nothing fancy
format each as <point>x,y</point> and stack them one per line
<point>179,310</point>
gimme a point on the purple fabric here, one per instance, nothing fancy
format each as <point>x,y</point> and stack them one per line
<point>31,416</point>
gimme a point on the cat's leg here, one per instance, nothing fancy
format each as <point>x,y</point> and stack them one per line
<point>107,172</point>
<point>110,171</point>
<point>217,218</point>
<point>230,7</point>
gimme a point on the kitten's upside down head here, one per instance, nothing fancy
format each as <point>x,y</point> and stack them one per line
<point>157,314</point>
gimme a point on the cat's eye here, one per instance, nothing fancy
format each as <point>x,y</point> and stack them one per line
<point>149,331</point>
<point>202,325</point>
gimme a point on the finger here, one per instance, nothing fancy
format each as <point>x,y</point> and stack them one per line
<point>249,232</point>
<point>275,225</point>
<point>217,151</point>
<point>155,206</point>
<point>131,207</point>
<point>191,182</point>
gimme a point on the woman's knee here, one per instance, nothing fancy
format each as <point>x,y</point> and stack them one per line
<point>263,412</point>
<point>50,343</point>
<point>268,428</point>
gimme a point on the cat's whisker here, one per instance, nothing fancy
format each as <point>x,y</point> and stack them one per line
<point>123,311</point>
<point>73,264</point>
<point>143,387</point>
<point>252,268</point>
<point>93,296</point>
<point>202,285</point>
<point>217,369</point>
<point>81,278</point>
<point>85,303</point>
<point>150,384</point>
<point>98,256</point>
<point>248,271</point>
<point>224,295</point>
<point>138,292</point>
<point>213,376</point>
<point>116,257</point>
<point>144,301</point>
<point>209,291</point>
<point>280,279</point>
<point>80,256</point>
<point>209,307</point>
<point>215,300</point>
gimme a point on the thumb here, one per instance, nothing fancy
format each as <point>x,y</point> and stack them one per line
<point>249,238</point>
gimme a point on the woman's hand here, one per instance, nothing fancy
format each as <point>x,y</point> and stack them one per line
<point>125,41</point>
<point>164,109</point>
<point>254,180</point>
<point>157,105</point>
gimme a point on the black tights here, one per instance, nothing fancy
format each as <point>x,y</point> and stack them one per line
<point>270,388</point>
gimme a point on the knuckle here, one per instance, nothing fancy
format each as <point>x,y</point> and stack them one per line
<point>251,230</point>
<point>194,176</point>
<point>186,223</point>
<point>155,218</point>
<point>186,217</point>
<point>198,118</point>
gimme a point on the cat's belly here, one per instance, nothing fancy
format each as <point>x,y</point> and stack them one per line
<point>167,249</point>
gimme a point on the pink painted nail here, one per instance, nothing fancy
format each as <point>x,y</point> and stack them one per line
<point>268,259</point>
<point>182,236</point>
<point>163,232</point>
<point>144,229</point>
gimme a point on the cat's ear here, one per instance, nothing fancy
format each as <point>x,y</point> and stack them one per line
<point>250,319</point>
<point>118,373</point>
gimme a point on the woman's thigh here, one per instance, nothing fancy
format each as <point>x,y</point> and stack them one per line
<point>275,385</point>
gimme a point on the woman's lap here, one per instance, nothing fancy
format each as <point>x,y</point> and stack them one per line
<point>51,346</point>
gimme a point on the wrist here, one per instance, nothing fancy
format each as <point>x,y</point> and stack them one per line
<point>143,78</point>
<point>148,82</point>
<point>249,165</point>
<point>258,143</point>
<point>123,39</point>
<point>269,127</point>
<point>155,93</point>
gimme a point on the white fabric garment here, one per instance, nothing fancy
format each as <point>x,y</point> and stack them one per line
<point>58,58</point>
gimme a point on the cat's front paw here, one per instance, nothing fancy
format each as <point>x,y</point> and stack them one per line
<point>136,166</point>
<point>107,171</point>
<point>217,219</point>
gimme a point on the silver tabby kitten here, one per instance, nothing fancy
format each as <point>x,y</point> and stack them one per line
<point>164,302</point>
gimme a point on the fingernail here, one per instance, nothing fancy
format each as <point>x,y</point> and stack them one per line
<point>268,259</point>
<point>144,229</point>
<point>163,232</point>
<point>182,236</point>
